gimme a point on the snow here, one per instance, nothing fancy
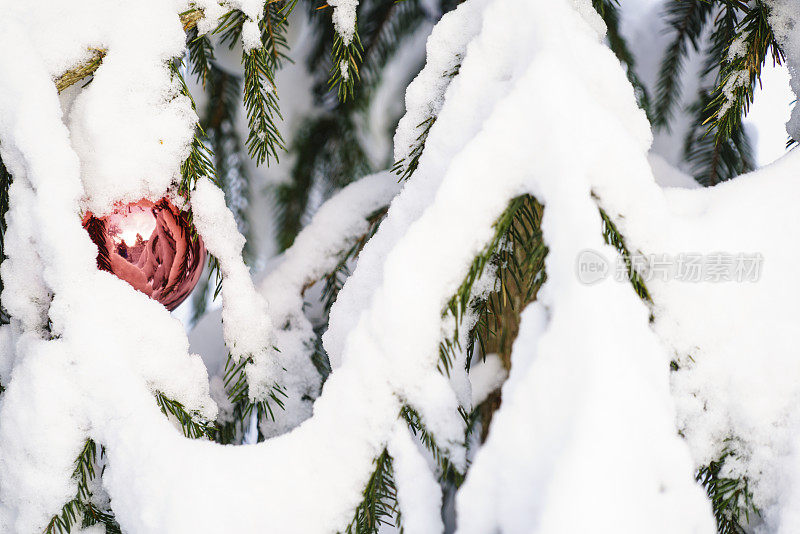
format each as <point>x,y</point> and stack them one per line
<point>387,104</point>
<point>419,495</point>
<point>486,377</point>
<point>425,96</point>
<point>660,481</point>
<point>783,18</point>
<point>212,12</point>
<point>668,176</point>
<point>316,251</point>
<point>344,19</point>
<point>736,80</point>
<point>643,25</point>
<point>248,328</point>
<point>771,109</point>
<point>60,383</point>
<point>737,391</point>
<point>294,86</point>
<point>446,43</point>
<point>590,410</point>
<point>132,87</point>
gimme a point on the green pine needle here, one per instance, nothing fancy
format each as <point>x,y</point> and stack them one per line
<point>201,54</point>
<point>731,498</point>
<point>609,11</point>
<point>344,69</point>
<point>740,71</point>
<point>446,469</point>
<point>516,252</point>
<point>192,423</point>
<point>237,389</point>
<point>379,504</point>
<point>614,238</point>
<point>261,104</point>
<point>81,506</point>
<point>260,93</point>
<point>686,18</point>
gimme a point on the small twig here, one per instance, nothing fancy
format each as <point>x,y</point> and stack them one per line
<point>189,19</point>
<point>81,71</point>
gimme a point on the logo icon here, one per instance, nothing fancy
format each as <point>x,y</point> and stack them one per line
<point>591,267</point>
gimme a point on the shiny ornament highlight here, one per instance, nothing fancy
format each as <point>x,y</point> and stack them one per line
<point>150,246</point>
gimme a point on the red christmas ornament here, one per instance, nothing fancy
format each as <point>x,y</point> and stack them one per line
<point>150,246</point>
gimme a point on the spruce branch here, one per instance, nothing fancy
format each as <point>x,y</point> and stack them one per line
<point>740,71</point>
<point>405,169</point>
<point>686,18</point>
<point>329,154</point>
<point>83,70</point>
<point>201,54</point>
<point>344,70</point>
<point>320,358</point>
<point>232,431</point>
<point>614,238</point>
<point>383,26</point>
<point>516,255</point>
<point>92,515</point>
<point>261,104</point>
<point>238,392</point>
<point>274,25</point>
<point>722,35</point>
<point>188,18</point>
<point>195,166</point>
<point>230,28</point>
<point>192,423</point>
<point>81,507</point>
<point>731,498</point>
<point>260,93</point>
<point>714,160</point>
<point>219,125</point>
<point>609,11</point>
<point>603,6</point>
<point>519,272</point>
<point>447,471</point>
<point>711,160</point>
<point>519,266</point>
<point>198,164</point>
<point>334,280</point>
<point>379,504</point>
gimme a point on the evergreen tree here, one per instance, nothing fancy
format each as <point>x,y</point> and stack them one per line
<point>324,158</point>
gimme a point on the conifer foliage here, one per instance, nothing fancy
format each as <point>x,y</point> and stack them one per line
<point>740,43</point>
<point>266,390</point>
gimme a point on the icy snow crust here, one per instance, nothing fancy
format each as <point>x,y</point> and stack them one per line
<point>586,418</point>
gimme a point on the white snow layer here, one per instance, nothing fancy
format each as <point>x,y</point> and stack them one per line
<point>587,415</point>
<point>344,19</point>
<point>784,18</point>
<point>316,251</point>
<point>247,325</point>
